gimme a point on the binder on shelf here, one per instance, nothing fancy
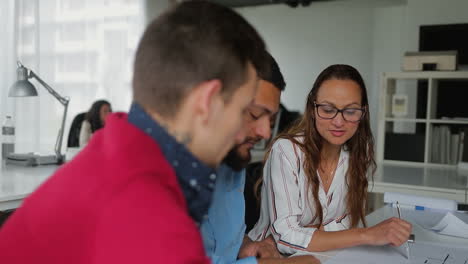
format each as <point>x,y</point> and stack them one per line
<point>435,153</point>
<point>461,145</point>
<point>444,143</point>
<point>454,141</point>
<point>464,151</point>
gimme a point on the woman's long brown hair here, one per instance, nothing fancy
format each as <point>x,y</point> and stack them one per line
<point>360,146</point>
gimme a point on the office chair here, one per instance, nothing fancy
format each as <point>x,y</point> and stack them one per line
<point>75,128</point>
<point>252,206</point>
<point>4,216</point>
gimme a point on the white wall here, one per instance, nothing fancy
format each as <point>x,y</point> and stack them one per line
<point>388,48</point>
<point>370,35</point>
<point>429,12</point>
<point>306,40</point>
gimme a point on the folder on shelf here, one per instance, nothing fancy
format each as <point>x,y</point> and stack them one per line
<point>461,145</point>
<point>435,150</point>
<point>454,142</point>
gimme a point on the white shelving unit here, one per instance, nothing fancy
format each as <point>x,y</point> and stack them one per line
<point>387,122</point>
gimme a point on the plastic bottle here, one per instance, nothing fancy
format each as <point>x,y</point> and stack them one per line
<point>8,137</point>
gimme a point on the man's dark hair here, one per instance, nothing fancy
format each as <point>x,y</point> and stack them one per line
<point>273,74</point>
<point>193,42</point>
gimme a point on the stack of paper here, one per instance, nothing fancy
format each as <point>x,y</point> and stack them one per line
<point>429,253</point>
<point>452,224</point>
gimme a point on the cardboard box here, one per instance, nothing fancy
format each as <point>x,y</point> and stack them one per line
<point>430,61</point>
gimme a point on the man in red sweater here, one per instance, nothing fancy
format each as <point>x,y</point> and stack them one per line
<point>140,188</point>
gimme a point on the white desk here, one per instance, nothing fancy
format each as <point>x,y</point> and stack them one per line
<point>421,234</point>
<point>424,181</point>
<point>434,182</point>
<point>17,182</point>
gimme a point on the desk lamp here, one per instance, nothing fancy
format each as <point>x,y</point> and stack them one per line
<point>22,88</point>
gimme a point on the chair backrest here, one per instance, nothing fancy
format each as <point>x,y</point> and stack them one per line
<point>74,134</point>
<point>252,206</point>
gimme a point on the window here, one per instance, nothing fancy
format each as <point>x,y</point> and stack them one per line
<point>84,50</point>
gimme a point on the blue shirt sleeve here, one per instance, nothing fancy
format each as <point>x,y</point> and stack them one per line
<point>220,260</point>
<point>224,229</point>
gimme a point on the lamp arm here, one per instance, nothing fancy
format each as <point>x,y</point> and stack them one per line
<point>58,144</point>
<point>64,101</point>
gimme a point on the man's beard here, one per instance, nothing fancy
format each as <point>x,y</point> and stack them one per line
<point>235,160</point>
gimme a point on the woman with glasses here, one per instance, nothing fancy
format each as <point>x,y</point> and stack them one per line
<point>314,189</point>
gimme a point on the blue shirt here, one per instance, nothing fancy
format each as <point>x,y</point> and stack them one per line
<point>195,178</point>
<point>224,230</point>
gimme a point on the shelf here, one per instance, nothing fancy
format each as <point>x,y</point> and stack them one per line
<point>431,121</point>
<point>442,121</point>
<point>416,138</point>
<point>418,164</point>
<point>419,120</point>
<point>427,75</point>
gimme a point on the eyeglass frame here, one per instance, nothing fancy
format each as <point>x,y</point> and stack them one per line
<point>363,109</point>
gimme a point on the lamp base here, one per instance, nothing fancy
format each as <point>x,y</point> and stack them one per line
<point>31,159</point>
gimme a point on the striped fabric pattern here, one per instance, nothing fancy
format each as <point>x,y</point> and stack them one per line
<point>287,208</point>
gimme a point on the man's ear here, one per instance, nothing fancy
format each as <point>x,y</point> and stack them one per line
<point>209,98</point>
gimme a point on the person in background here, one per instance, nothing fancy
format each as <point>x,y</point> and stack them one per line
<point>223,231</point>
<point>95,119</point>
<point>314,190</point>
<point>139,190</point>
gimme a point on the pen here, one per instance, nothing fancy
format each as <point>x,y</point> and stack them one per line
<point>406,244</point>
<point>412,207</point>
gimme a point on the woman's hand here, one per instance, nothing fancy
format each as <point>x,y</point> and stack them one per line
<point>393,231</point>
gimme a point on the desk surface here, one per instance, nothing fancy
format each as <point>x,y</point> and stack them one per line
<point>421,234</point>
<point>428,177</point>
<point>448,178</point>
<point>445,183</point>
<point>17,182</point>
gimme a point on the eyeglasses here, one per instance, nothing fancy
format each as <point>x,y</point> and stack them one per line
<point>327,111</point>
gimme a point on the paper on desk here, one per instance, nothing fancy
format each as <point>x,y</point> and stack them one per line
<point>452,225</point>
<point>441,222</point>
<point>428,253</point>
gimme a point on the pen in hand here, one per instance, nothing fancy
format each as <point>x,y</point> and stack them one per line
<point>406,244</point>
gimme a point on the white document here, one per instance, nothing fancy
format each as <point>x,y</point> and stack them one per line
<point>452,225</point>
<point>421,253</point>
<point>441,222</point>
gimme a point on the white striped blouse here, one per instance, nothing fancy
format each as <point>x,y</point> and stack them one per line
<point>287,208</point>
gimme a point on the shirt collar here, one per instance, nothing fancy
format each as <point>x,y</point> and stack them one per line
<point>196,179</point>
